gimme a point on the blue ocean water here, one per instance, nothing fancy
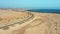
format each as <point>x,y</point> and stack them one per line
<point>46,10</point>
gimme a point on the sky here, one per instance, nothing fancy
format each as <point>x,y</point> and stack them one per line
<point>30,4</point>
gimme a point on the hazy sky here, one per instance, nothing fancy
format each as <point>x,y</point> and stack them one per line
<point>30,4</point>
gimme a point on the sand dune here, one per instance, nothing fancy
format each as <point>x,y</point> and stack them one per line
<point>28,22</point>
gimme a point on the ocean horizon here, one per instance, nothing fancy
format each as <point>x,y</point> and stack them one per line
<point>45,10</point>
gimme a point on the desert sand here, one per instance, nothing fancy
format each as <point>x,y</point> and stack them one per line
<point>25,22</point>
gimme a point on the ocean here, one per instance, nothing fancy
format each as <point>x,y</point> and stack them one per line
<point>46,10</point>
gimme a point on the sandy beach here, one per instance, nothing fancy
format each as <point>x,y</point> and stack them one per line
<point>28,22</point>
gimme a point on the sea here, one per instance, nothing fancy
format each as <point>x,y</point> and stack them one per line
<point>45,10</point>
